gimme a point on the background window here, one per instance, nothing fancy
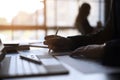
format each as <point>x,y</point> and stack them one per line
<point>33,19</point>
<point>64,12</point>
<point>21,12</point>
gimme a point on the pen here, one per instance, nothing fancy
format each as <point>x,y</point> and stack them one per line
<point>57,30</point>
<point>55,35</point>
<point>30,59</point>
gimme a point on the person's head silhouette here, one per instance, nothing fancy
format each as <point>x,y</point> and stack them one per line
<point>81,22</point>
<point>84,10</point>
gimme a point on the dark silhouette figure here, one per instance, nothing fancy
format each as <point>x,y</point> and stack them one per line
<point>82,23</point>
<point>104,45</point>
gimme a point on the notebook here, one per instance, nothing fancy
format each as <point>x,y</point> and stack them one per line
<point>14,66</point>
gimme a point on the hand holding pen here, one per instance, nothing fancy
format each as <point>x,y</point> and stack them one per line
<point>55,35</point>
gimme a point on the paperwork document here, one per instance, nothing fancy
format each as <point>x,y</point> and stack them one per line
<point>87,66</point>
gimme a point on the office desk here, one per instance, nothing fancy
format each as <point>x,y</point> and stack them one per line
<point>79,69</point>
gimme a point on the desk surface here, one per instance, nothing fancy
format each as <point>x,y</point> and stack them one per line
<point>79,69</point>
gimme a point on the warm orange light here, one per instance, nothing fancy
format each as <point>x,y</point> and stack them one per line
<point>10,8</point>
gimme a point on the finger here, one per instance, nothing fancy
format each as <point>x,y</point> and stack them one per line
<point>48,37</point>
<point>58,48</point>
<point>51,42</point>
<point>55,42</point>
<point>78,55</point>
<point>78,52</point>
<point>51,36</point>
<point>75,54</point>
<point>45,42</point>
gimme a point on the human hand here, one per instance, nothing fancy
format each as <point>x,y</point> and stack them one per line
<point>57,43</point>
<point>89,51</point>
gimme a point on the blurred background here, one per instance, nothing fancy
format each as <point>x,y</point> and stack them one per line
<point>34,19</point>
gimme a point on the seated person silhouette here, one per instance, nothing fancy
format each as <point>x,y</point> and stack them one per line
<point>81,22</point>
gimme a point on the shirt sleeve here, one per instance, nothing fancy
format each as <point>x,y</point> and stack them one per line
<point>78,41</point>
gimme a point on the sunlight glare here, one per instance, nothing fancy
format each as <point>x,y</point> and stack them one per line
<point>10,8</point>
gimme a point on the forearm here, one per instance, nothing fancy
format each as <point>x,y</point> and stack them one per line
<point>98,38</point>
<point>77,41</point>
